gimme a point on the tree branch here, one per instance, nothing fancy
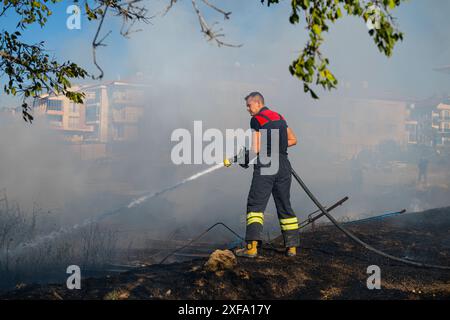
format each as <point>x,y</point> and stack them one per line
<point>209,33</point>
<point>96,43</point>
<point>225,14</point>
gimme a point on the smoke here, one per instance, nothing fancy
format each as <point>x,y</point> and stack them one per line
<point>198,81</point>
<point>36,167</point>
<point>190,79</point>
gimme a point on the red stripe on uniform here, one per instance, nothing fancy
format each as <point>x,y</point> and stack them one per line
<point>261,120</point>
<point>272,115</point>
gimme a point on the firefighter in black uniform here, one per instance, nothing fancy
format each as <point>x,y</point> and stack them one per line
<point>263,122</point>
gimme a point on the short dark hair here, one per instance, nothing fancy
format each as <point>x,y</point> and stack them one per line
<point>255,94</point>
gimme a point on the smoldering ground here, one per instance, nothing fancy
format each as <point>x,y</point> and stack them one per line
<point>192,80</point>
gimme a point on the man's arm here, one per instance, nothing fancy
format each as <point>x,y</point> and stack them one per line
<point>292,139</point>
<point>256,142</point>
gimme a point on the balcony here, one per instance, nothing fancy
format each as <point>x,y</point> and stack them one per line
<point>122,116</point>
<point>55,112</point>
<point>127,97</point>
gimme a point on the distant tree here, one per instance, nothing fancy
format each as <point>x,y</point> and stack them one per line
<point>29,70</point>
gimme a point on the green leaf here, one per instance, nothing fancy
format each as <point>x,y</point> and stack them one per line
<point>317,29</point>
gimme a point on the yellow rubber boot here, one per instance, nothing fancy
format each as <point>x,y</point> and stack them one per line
<point>227,163</point>
<point>251,251</point>
<point>291,251</point>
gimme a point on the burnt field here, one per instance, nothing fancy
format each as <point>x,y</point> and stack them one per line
<point>328,266</point>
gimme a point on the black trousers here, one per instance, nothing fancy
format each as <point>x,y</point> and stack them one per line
<point>279,185</point>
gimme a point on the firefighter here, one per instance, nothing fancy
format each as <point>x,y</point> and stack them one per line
<point>263,185</point>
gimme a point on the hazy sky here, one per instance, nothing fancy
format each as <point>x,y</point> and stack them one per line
<point>172,49</point>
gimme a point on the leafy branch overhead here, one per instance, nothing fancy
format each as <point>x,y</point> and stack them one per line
<point>311,67</point>
<point>30,71</point>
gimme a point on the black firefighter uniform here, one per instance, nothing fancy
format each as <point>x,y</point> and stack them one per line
<point>278,184</point>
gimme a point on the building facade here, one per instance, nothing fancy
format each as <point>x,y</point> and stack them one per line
<point>110,114</point>
<point>348,126</point>
<point>429,123</point>
<point>441,125</point>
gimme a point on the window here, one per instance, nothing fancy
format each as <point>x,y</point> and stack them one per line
<point>125,95</point>
<point>119,95</point>
<point>446,114</point>
<point>411,129</point>
<point>74,108</point>
<point>131,115</point>
<point>90,95</point>
<point>54,118</point>
<point>445,126</point>
<point>74,122</point>
<point>120,132</point>
<point>54,105</point>
<point>91,114</point>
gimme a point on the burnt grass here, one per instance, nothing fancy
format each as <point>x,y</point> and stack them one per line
<point>328,266</point>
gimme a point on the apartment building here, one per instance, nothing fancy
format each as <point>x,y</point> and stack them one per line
<point>441,124</point>
<point>64,115</point>
<point>348,126</point>
<point>429,123</point>
<point>110,114</point>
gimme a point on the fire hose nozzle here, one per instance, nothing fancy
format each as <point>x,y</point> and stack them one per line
<point>242,154</point>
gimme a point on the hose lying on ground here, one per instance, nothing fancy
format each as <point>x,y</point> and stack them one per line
<point>355,238</point>
<point>334,221</point>
<point>198,237</point>
<point>337,224</point>
<point>340,202</point>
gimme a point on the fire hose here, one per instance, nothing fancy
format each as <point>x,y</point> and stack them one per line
<point>310,220</point>
<point>378,217</point>
<point>244,154</point>
<point>353,237</point>
<point>324,212</point>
